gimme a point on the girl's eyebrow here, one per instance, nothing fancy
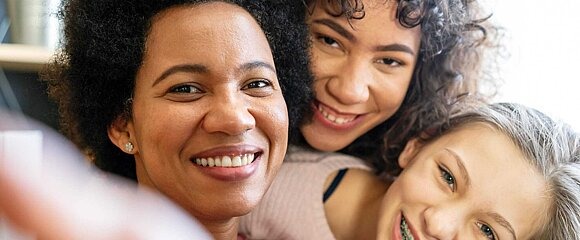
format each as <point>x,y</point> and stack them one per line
<point>336,27</point>
<point>461,166</point>
<point>503,222</point>
<point>396,47</point>
<point>465,175</point>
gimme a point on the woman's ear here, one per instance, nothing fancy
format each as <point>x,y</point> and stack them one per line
<point>411,149</point>
<point>121,133</point>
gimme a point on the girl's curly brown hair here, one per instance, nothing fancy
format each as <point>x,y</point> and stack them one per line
<point>93,76</point>
<point>455,36</point>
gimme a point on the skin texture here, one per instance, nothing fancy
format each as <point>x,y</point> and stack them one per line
<point>211,99</point>
<point>438,201</point>
<point>362,68</point>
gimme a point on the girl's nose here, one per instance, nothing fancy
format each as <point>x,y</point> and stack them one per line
<point>442,222</point>
<point>351,84</point>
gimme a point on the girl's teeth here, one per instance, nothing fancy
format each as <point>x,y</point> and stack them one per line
<point>405,232</point>
<point>332,118</point>
<point>225,161</point>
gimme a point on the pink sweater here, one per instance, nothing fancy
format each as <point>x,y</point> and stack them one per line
<point>293,208</point>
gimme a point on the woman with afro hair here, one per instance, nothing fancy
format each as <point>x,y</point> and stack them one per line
<point>184,96</point>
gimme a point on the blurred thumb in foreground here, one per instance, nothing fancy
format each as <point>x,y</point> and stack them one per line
<point>48,190</point>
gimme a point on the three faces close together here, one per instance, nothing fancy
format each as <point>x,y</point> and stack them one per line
<point>209,120</point>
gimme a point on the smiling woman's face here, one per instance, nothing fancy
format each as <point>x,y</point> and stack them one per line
<point>362,69</point>
<point>473,183</point>
<point>209,122</point>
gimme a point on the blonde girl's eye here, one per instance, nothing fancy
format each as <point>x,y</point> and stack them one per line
<point>486,231</point>
<point>448,178</point>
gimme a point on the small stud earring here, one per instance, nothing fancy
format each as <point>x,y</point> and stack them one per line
<point>129,147</point>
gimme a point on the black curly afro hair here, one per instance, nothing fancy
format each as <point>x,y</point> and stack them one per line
<point>456,37</point>
<point>94,74</point>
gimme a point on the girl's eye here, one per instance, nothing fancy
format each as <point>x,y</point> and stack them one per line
<point>487,231</point>
<point>262,83</point>
<point>447,178</point>
<point>389,61</point>
<point>329,41</point>
<point>185,89</point>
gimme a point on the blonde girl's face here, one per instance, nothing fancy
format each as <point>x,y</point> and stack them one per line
<point>473,183</point>
<point>209,120</point>
<point>362,70</point>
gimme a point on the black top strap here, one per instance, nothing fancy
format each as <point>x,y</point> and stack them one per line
<point>334,184</point>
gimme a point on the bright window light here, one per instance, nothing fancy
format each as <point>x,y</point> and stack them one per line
<point>544,42</point>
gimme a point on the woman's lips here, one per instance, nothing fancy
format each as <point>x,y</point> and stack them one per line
<point>229,163</point>
<point>226,161</point>
<point>231,173</point>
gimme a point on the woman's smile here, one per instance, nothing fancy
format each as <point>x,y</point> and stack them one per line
<point>230,163</point>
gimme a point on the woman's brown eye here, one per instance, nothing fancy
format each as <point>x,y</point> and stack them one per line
<point>258,84</point>
<point>184,89</point>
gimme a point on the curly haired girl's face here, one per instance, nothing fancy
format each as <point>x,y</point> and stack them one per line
<point>362,71</point>
<point>209,120</point>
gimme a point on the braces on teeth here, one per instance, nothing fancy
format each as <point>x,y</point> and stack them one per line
<point>405,232</point>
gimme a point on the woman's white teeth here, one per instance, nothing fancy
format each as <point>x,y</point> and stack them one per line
<point>332,118</point>
<point>226,161</point>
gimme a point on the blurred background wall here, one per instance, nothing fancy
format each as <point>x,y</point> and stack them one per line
<point>543,38</point>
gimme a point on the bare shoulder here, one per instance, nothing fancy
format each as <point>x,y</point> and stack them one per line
<point>347,210</point>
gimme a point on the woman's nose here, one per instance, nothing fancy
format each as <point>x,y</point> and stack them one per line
<point>350,85</point>
<point>230,115</point>
<point>442,222</point>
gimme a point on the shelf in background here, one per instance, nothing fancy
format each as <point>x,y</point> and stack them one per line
<point>22,57</point>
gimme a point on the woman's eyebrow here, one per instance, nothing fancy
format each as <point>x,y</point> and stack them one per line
<point>256,64</point>
<point>188,68</point>
<point>336,27</point>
